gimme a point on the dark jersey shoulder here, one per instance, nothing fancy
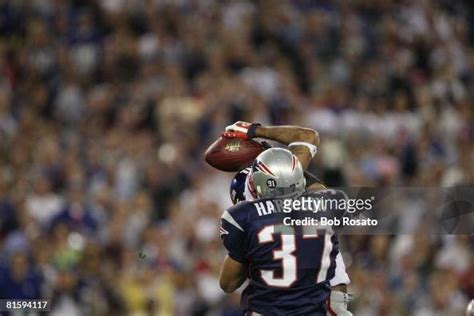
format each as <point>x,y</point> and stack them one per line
<point>240,208</point>
<point>234,230</point>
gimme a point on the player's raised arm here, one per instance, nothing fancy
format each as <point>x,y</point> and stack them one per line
<point>301,141</point>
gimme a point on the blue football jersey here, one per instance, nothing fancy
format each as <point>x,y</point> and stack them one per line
<point>289,264</point>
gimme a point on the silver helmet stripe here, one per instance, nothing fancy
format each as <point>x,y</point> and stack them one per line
<point>264,168</point>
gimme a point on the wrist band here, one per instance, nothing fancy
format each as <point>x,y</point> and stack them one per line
<point>252,129</point>
<point>313,149</point>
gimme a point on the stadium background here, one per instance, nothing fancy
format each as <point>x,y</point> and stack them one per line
<point>106,206</point>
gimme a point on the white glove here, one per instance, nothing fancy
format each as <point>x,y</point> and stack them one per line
<point>242,130</point>
<point>337,303</point>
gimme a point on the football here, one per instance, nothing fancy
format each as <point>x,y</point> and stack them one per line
<point>232,154</point>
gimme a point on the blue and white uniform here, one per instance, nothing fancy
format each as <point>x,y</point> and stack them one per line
<point>290,267</point>
<point>240,191</point>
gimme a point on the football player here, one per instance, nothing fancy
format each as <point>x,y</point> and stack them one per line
<point>303,143</point>
<point>289,267</point>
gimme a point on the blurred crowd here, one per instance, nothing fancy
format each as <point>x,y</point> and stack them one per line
<point>106,107</point>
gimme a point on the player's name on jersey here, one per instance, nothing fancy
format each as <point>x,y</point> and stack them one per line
<point>325,221</point>
<point>312,205</point>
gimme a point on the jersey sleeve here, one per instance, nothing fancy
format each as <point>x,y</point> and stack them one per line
<point>233,236</point>
<point>340,274</point>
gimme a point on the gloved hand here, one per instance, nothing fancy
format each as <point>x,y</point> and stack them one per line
<point>241,130</point>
